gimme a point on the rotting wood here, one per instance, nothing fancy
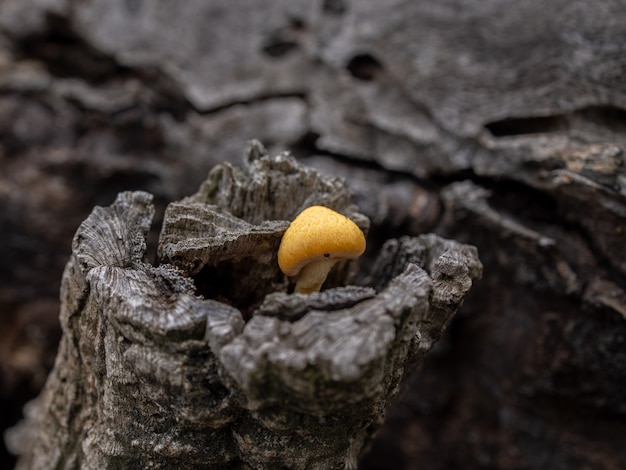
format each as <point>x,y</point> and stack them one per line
<point>154,371</point>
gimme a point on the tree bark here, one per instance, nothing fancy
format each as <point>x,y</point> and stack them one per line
<point>154,372</point>
<point>495,123</point>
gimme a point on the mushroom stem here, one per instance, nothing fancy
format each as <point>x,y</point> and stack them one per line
<point>312,276</point>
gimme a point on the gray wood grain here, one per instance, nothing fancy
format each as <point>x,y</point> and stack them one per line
<point>495,123</point>
<point>155,371</point>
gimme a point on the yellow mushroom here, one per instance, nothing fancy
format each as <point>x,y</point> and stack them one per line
<point>316,239</point>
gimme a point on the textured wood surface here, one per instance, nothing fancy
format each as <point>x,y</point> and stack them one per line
<point>156,372</point>
<point>494,123</point>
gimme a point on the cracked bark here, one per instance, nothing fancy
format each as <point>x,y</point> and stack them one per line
<point>497,124</point>
<point>151,375</point>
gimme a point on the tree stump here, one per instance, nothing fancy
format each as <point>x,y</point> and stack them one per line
<point>206,360</point>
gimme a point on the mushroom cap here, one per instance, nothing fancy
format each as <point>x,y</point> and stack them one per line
<point>319,233</point>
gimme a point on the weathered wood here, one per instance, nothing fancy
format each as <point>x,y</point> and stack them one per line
<point>152,372</point>
<point>496,123</point>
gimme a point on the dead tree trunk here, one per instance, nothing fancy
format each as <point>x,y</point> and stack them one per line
<point>495,123</point>
<point>233,372</point>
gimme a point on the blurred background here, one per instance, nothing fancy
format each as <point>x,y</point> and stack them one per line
<point>501,124</point>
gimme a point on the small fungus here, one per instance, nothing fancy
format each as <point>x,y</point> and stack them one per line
<point>316,239</point>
